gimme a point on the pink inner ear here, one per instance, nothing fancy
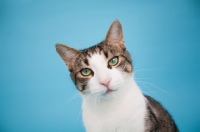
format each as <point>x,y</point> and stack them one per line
<point>122,45</point>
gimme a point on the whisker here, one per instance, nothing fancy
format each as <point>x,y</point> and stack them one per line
<point>146,87</point>
<point>88,97</point>
<point>149,69</point>
<point>156,87</point>
<point>124,67</point>
<point>143,78</point>
<point>69,100</point>
<point>78,116</point>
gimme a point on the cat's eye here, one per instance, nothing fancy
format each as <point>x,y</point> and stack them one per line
<point>113,61</point>
<point>86,72</point>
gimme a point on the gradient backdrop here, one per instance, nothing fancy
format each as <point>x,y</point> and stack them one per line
<point>36,92</point>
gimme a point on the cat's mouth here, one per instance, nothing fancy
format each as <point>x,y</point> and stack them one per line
<point>109,91</point>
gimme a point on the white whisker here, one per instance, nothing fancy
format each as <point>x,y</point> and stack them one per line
<point>78,116</point>
<point>143,78</point>
<point>69,100</point>
<point>146,87</point>
<point>156,87</point>
<point>149,69</point>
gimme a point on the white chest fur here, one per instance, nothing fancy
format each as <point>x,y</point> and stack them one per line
<point>124,113</point>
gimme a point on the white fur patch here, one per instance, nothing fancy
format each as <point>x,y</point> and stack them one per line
<point>121,110</point>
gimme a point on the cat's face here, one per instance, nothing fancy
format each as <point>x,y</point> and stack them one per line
<point>101,69</point>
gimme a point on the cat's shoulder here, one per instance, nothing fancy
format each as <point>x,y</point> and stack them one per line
<point>158,118</point>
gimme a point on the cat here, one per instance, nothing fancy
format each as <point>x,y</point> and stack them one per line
<point>111,99</point>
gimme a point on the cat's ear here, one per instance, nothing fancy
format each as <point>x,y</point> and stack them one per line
<point>115,35</point>
<point>67,53</point>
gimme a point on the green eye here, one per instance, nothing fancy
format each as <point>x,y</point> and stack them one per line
<point>86,72</point>
<point>113,61</point>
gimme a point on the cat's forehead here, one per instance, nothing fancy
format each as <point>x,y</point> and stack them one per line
<point>100,52</point>
<point>101,48</point>
<point>97,60</point>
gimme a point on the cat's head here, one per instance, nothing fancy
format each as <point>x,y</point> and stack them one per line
<point>102,69</point>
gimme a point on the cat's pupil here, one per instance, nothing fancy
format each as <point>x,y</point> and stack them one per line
<point>85,71</point>
<point>113,60</point>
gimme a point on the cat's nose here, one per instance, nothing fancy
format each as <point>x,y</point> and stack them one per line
<point>105,83</point>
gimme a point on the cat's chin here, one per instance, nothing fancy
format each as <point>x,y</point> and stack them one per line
<point>109,91</point>
<point>108,94</point>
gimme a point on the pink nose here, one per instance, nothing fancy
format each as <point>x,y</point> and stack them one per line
<point>105,83</point>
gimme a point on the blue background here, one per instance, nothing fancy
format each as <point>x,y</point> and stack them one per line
<point>36,92</point>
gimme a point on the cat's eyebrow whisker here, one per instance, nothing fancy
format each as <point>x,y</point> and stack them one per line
<point>156,87</point>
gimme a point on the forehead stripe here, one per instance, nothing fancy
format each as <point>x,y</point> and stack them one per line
<point>86,62</point>
<point>126,59</point>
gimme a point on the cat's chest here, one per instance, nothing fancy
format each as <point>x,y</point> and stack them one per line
<point>107,122</point>
<point>119,118</point>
